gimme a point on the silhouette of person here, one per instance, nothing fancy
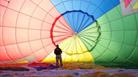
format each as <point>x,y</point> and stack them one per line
<point>58,53</point>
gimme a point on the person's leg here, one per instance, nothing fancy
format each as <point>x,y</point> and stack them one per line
<point>57,63</point>
<point>60,57</point>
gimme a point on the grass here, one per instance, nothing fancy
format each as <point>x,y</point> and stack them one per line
<point>72,66</point>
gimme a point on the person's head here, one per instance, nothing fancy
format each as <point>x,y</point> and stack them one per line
<point>57,46</point>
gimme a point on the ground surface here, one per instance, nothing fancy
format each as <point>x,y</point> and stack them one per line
<point>68,70</point>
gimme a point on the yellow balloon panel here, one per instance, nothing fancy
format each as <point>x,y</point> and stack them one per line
<point>73,45</point>
<point>73,51</point>
<point>84,57</point>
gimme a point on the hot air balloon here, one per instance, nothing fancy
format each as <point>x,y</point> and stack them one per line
<point>95,31</point>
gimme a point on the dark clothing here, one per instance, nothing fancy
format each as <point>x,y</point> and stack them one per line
<point>59,61</point>
<point>57,51</point>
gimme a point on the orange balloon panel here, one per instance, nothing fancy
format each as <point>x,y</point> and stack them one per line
<point>25,30</point>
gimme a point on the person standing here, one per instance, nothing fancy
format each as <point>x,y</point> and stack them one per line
<point>58,53</point>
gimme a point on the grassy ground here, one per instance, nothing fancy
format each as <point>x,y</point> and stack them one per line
<point>68,70</point>
<point>83,66</point>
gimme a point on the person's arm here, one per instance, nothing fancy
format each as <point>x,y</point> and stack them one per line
<point>55,51</point>
<point>60,51</point>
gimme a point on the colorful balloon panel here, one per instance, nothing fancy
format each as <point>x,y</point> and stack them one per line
<point>86,30</point>
<point>100,7</point>
<point>118,39</point>
<point>129,6</point>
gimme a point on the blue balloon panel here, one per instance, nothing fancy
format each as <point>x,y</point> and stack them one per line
<point>79,21</point>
